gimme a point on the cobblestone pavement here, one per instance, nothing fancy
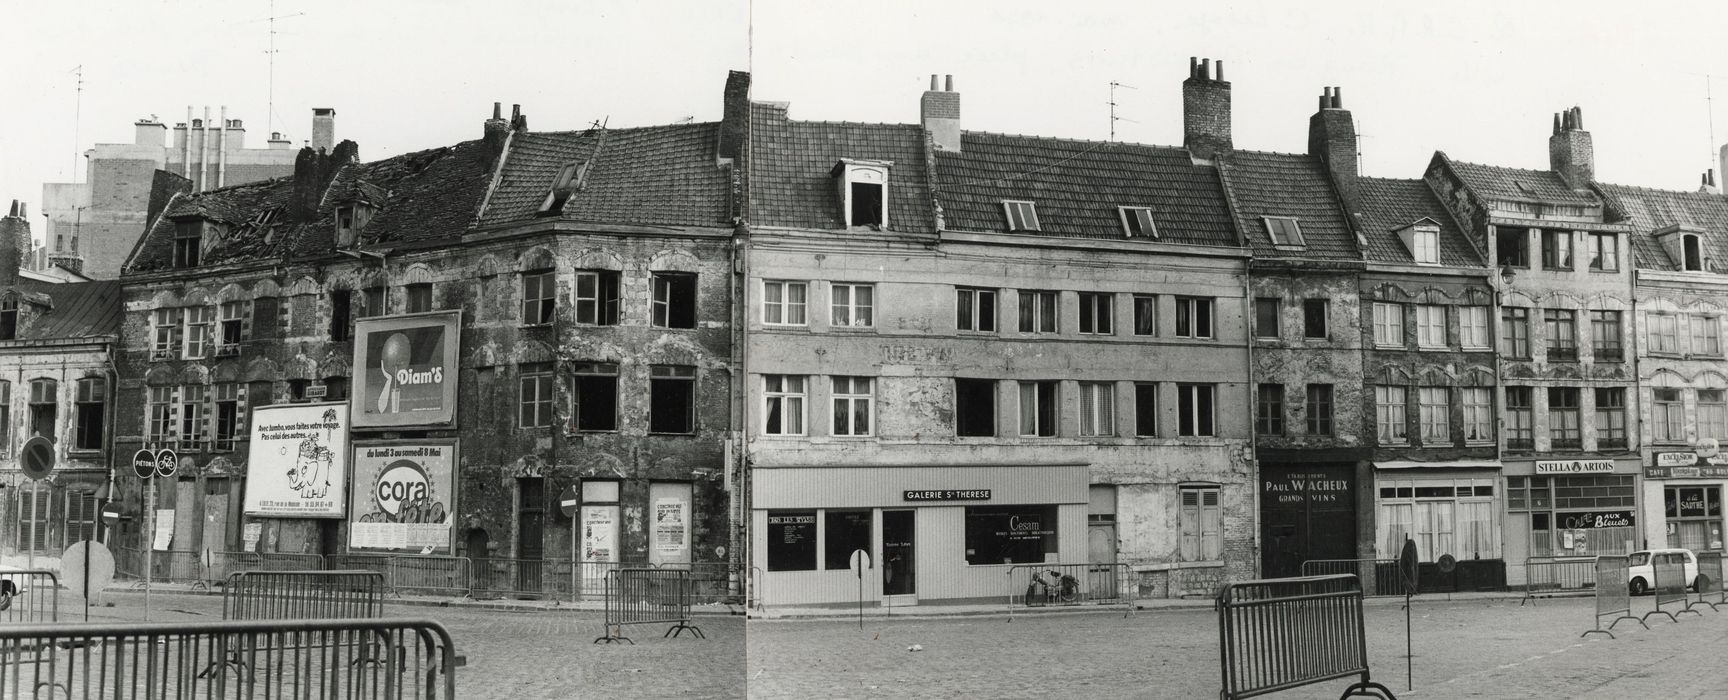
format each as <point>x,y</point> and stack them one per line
<point>522,652</point>
<point>1478,648</point>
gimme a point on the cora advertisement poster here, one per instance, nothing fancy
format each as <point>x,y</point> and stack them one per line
<point>405,370</point>
<point>404,496</point>
<point>297,466</point>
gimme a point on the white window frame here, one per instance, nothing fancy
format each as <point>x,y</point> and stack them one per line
<point>1388,325</point>
<point>591,309</point>
<point>785,312</point>
<point>1097,409</point>
<point>1478,405</point>
<point>199,322</point>
<point>1705,334</point>
<point>1427,248</point>
<point>1667,418</point>
<point>1022,215</point>
<point>788,393</point>
<point>1430,326</point>
<point>1137,218</point>
<point>857,314</point>
<point>1102,313</point>
<point>1193,306</point>
<point>1434,408</point>
<point>167,333</point>
<point>1664,332</point>
<point>1604,258</point>
<point>850,394</point>
<point>1284,231</point>
<point>1391,415</point>
<point>970,299</point>
<point>1474,327</point>
<point>1045,305</point>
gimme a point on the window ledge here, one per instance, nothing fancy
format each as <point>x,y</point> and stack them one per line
<point>1379,346</point>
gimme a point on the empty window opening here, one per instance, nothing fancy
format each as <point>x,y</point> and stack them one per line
<point>672,399</point>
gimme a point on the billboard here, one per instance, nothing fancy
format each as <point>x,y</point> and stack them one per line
<point>405,370</point>
<point>404,496</point>
<point>298,463</point>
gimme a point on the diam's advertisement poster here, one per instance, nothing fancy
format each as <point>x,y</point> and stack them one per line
<point>405,371</point>
<point>298,463</point>
<point>403,496</point>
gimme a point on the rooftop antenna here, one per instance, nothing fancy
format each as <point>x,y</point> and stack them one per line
<point>270,108</point>
<point>77,117</point>
<point>1113,117</point>
<point>1710,112</point>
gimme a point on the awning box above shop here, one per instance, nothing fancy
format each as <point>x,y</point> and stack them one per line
<point>1454,464</point>
<point>889,486</point>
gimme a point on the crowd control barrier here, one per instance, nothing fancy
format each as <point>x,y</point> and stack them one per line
<point>1709,582</point>
<point>1669,571</point>
<point>29,596</point>
<point>1041,585</point>
<point>1276,634</point>
<point>291,595</point>
<point>1613,599</point>
<point>1553,576</point>
<point>645,597</point>
<point>1379,577</point>
<point>187,660</point>
<point>430,573</point>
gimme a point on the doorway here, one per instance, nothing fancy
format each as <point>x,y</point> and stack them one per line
<point>530,533</point>
<point>1307,513</point>
<point>899,558</point>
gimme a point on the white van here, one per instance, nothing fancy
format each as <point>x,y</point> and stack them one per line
<point>1641,571</point>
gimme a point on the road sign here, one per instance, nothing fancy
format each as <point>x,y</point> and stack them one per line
<point>37,458</point>
<point>860,561</point>
<point>144,463</point>
<point>111,514</point>
<point>90,559</point>
<point>568,504</point>
<point>1447,563</point>
<point>166,460</point>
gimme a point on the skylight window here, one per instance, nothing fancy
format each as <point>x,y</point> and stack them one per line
<point>1284,230</point>
<point>1137,222</point>
<point>570,179</point>
<point>1022,216</point>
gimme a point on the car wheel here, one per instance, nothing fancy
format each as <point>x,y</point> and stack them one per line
<point>1638,586</point>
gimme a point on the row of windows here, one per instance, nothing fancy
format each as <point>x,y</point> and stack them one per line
<point>1601,251</point>
<point>1038,311</point>
<point>1430,323</point>
<point>672,298</point>
<point>197,417</point>
<point>1565,417</point>
<point>1433,413</point>
<point>591,397</point>
<point>89,409</point>
<point>1317,406</point>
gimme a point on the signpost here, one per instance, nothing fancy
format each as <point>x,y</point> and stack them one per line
<point>1407,568</point>
<point>37,462</point>
<point>860,562</point>
<point>149,465</point>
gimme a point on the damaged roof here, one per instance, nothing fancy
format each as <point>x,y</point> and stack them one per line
<point>1650,210</point>
<point>656,175</point>
<point>1389,205</point>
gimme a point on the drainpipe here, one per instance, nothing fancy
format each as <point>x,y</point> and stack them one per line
<point>742,513</point>
<point>1249,454</point>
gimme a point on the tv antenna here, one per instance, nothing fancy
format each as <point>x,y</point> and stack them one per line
<point>1113,117</point>
<point>270,107</point>
<point>77,117</point>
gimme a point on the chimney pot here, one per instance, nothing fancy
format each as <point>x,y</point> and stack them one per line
<point>1205,69</point>
<point>1220,75</point>
<point>1193,67</point>
<point>949,84</point>
<point>515,111</point>
<point>497,110</point>
<point>933,84</point>
<point>1338,97</point>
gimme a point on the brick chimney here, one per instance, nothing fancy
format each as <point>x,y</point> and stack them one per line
<point>1569,150</point>
<point>323,128</point>
<point>313,171</point>
<point>496,129</point>
<point>149,132</point>
<point>1205,109</point>
<point>14,242</point>
<point>1707,182</point>
<point>939,110</point>
<point>734,116</point>
<point>1332,139</point>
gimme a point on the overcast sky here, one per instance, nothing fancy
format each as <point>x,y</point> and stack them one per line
<point>1480,81</point>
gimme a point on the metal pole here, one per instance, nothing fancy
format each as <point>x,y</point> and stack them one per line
<point>149,539</point>
<point>87,546</point>
<point>1409,656</point>
<point>35,507</point>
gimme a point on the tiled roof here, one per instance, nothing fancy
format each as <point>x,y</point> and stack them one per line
<point>659,175</point>
<point>791,164</point>
<point>1652,209</point>
<point>1078,185</point>
<point>1389,205</point>
<point>424,195</point>
<point>1518,184</point>
<point>1279,184</point>
<point>81,309</point>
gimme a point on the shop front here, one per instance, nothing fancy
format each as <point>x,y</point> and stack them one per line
<point>1450,510</point>
<point>1570,509</point>
<point>1683,494</point>
<point>900,535</point>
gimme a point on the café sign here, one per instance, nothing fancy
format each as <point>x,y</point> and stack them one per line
<point>948,495</point>
<point>1575,466</point>
<point>1686,465</point>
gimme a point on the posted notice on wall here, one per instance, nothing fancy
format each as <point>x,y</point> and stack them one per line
<point>164,534</point>
<point>672,528</point>
<point>250,536</point>
<point>599,533</point>
<point>402,495</point>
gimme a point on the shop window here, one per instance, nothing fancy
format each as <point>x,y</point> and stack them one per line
<point>1319,409</point>
<point>974,407</point>
<point>1038,409</point>
<point>1096,313</point>
<point>672,399</point>
<point>1269,410</point>
<point>674,304</point>
<point>975,309</point>
<point>1520,419</point>
<point>91,409</point>
<point>783,303</point>
<point>1194,409</point>
<point>1610,418</point>
<point>1430,326</point>
<point>1388,325</point>
<point>1145,314</point>
<point>199,320</point>
<point>1515,326</point>
<point>44,408</point>
<point>597,297</point>
<point>1712,415</point>
<point>1266,318</point>
<point>228,402</point>
<point>1435,411</point>
<point>417,297</point>
<point>1314,314</point>
<point>1478,406</point>
<point>1146,409</point>
<point>1576,515</point>
<point>1511,246</point>
<point>1694,516</point>
<point>1442,516</point>
<point>1097,409</point>
<point>534,395</point>
<point>791,540</point>
<point>161,416</point>
<point>1024,534</point>
<point>1556,250</point>
<point>844,532</point>
<point>1202,524</point>
<point>594,396</point>
<point>1038,312</point>
<point>854,406</point>
<point>1473,327</point>
<point>1562,325</point>
<point>1667,418</point>
<point>341,314</point>
<point>1193,317</point>
<point>783,404</point>
<point>1604,252</point>
<point>539,297</point>
<point>1605,338</point>
<point>1390,415</point>
<point>852,305</point>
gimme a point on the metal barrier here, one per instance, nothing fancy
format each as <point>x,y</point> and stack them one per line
<point>1612,595</point>
<point>31,595</point>
<point>359,562</point>
<point>438,574</point>
<point>712,583</point>
<point>1276,634</point>
<point>1040,585</point>
<point>537,578</point>
<point>647,596</point>
<point>166,566</point>
<point>1550,576</point>
<point>1379,577</point>
<point>1669,571</point>
<point>1709,582</point>
<point>350,658</point>
<point>291,595</point>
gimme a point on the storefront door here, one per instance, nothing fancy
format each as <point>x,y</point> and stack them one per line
<point>1307,512</point>
<point>899,567</point>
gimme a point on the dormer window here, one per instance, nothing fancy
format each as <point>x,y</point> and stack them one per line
<point>863,191</point>
<point>1692,251</point>
<point>1022,216</point>
<point>1137,222</point>
<point>350,219</point>
<point>1422,239</point>
<point>8,320</point>
<point>1284,231</point>
<point>571,179</point>
<point>1685,245</point>
<point>188,242</point>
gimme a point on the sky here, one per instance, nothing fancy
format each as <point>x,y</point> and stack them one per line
<point>1478,80</point>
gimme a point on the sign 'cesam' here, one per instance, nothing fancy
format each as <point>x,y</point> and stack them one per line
<point>401,482</point>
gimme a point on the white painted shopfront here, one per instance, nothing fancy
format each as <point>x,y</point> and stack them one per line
<point>948,532</point>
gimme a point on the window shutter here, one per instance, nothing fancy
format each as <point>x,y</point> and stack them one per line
<point>246,320</point>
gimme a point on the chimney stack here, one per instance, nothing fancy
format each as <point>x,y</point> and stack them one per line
<point>1205,110</point>
<point>14,242</point>
<point>323,129</point>
<point>1570,152</point>
<point>495,129</point>
<point>1707,182</point>
<point>734,116</point>
<point>939,110</point>
<point>149,132</point>
<point>1332,139</point>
